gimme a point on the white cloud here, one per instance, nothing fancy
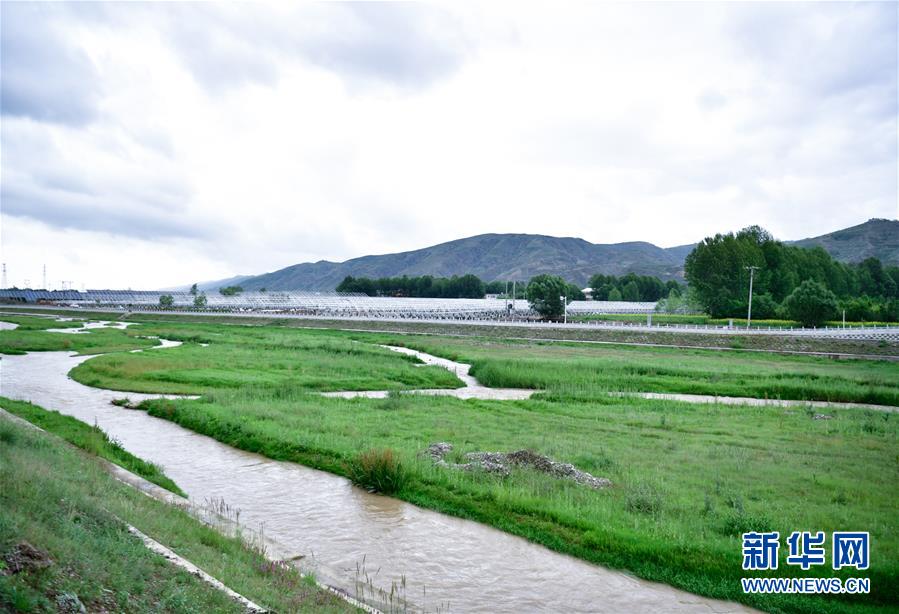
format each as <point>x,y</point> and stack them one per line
<point>216,139</point>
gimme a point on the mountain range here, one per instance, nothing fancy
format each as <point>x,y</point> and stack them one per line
<point>521,256</point>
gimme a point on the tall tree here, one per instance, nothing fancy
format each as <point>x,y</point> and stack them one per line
<point>544,293</point>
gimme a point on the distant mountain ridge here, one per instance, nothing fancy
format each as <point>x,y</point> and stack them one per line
<point>877,238</point>
<point>489,256</point>
<point>521,256</point>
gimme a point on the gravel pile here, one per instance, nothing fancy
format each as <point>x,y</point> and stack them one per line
<point>501,463</point>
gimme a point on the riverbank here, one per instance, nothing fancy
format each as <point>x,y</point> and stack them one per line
<point>64,541</point>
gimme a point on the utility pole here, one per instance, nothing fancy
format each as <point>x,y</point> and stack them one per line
<point>513,298</point>
<point>564,300</point>
<point>752,270</point>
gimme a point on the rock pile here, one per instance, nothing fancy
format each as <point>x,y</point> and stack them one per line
<point>24,557</point>
<point>501,463</point>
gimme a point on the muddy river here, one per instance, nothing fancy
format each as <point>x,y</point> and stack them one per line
<point>448,564</point>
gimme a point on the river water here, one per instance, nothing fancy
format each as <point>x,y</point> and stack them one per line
<point>448,564</point>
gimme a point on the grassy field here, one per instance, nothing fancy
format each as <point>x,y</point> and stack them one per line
<point>62,503</point>
<point>687,479</point>
<point>580,372</point>
<point>276,360</point>
<point>32,336</point>
<point>92,439</point>
<point>268,359</point>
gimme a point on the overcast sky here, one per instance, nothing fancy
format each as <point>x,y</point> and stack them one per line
<point>149,145</point>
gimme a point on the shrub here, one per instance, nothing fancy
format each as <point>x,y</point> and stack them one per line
<point>811,304</point>
<point>739,522</point>
<point>378,471</point>
<point>644,499</point>
<point>764,307</point>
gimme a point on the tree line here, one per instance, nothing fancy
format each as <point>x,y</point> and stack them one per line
<point>802,284</point>
<point>427,286</point>
<point>424,286</point>
<point>632,287</point>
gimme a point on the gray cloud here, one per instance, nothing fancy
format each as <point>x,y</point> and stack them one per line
<point>838,51</point>
<point>410,45</point>
<point>43,76</point>
<point>402,45</point>
<point>41,182</point>
<point>95,212</point>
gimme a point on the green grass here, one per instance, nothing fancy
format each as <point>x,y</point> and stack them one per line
<point>378,471</point>
<point>62,502</point>
<point>687,479</point>
<point>579,372</point>
<point>259,357</point>
<point>31,336</point>
<point>38,323</point>
<point>92,439</point>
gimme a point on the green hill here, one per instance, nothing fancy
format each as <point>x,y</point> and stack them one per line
<point>876,237</point>
<point>489,256</point>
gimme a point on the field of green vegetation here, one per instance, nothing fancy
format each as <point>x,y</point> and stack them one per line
<point>579,372</point>
<point>687,479</point>
<point>90,438</point>
<point>71,514</point>
<point>32,336</point>
<point>264,359</point>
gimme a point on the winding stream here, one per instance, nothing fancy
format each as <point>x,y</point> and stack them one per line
<point>448,563</point>
<point>473,389</point>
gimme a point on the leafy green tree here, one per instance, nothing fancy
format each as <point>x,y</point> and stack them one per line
<point>230,290</point>
<point>200,301</point>
<point>615,295</point>
<point>715,269</point>
<point>496,287</point>
<point>860,309</point>
<point>544,294</point>
<point>764,307</point>
<point>631,292</point>
<point>574,293</point>
<point>166,301</point>
<point>602,292</point>
<point>193,289</point>
<point>811,304</point>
